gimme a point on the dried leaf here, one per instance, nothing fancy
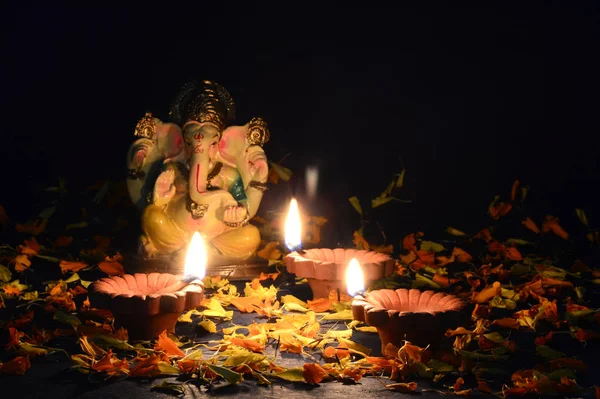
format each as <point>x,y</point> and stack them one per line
<point>5,274</point>
<point>270,251</point>
<point>295,374</point>
<point>169,388</point>
<point>292,299</point>
<point>582,217</point>
<point>432,246</point>
<point>356,205</point>
<point>455,232</point>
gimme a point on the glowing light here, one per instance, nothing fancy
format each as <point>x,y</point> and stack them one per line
<point>293,227</point>
<point>355,279</point>
<point>312,181</point>
<point>195,259</point>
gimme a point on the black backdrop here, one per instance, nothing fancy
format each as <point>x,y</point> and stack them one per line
<point>467,99</point>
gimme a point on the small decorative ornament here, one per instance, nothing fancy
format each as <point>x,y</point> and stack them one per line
<point>258,133</point>
<point>146,127</point>
<point>147,304</point>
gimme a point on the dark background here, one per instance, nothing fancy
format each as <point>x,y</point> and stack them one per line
<point>466,98</point>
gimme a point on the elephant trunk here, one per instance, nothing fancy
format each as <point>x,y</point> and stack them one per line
<point>199,164</point>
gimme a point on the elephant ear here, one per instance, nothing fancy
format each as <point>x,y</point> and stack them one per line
<point>210,95</point>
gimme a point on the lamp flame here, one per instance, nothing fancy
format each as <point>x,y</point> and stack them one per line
<point>195,259</point>
<point>293,229</point>
<point>355,279</point>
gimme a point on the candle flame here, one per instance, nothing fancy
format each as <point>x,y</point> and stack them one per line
<point>293,230</point>
<point>355,279</point>
<point>195,260</point>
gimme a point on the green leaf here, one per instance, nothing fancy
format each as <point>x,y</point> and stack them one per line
<point>294,307</point>
<point>46,213</point>
<point>548,353</point>
<point>79,225</point>
<point>67,319</point>
<point>168,369</point>
<point>230,376</point>
<point>524,191</point>
<point>109,342</point>
<point>295,374</point>
<point>292,299</point>
<point>440,367</point>
<point>422,281</point>
<point>32,350</point>
<point>284,173</point>
<point>356,347</point>
<point>519,269</point>
<point>558,374</point>
<point>380,201</point>
<point>432,246</point>
<point>74,277</point>
<point>502,303</point>
<point>554,272</point>
<point>582,216</point>
<point>580,292</point>
<point>356,205</point>
<point>340,306</point>
<point>400,179</point>
<point>423,370</point>
<point>242,356</point>
<point>5,274</point>
<point>495,337</point>
<point>261,379</point>
<point>576,315</point>
<point>480,356</point>
<point>29,296</point>
<point>85,283</point>
<point>170,388</point>
<point>48,258</point>
<point>518,241</point>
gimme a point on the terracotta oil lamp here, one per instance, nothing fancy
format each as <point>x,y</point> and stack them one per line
<point>324,268</point>
<point>147,304</point>
<point>420,317</point>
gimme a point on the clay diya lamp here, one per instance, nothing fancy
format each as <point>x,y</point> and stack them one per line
<point>325,268</point>
<point>146,304</point>
<point>420,317</point>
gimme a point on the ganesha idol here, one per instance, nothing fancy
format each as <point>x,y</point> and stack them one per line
<point>196,173</point>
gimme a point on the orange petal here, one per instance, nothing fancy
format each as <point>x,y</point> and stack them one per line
<point>66,266</point>
<point>249,344</point>
<point>513,191</point>
<point>314,373</point>
<point>111,268</point>
<point>530,224</point>
<point>167,345</point>
<point>18,365</point>
<point>320,305</point>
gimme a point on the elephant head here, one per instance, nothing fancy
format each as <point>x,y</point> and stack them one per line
<point>156,143</point>
<point>241,148</point>
<point>203,109</point>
